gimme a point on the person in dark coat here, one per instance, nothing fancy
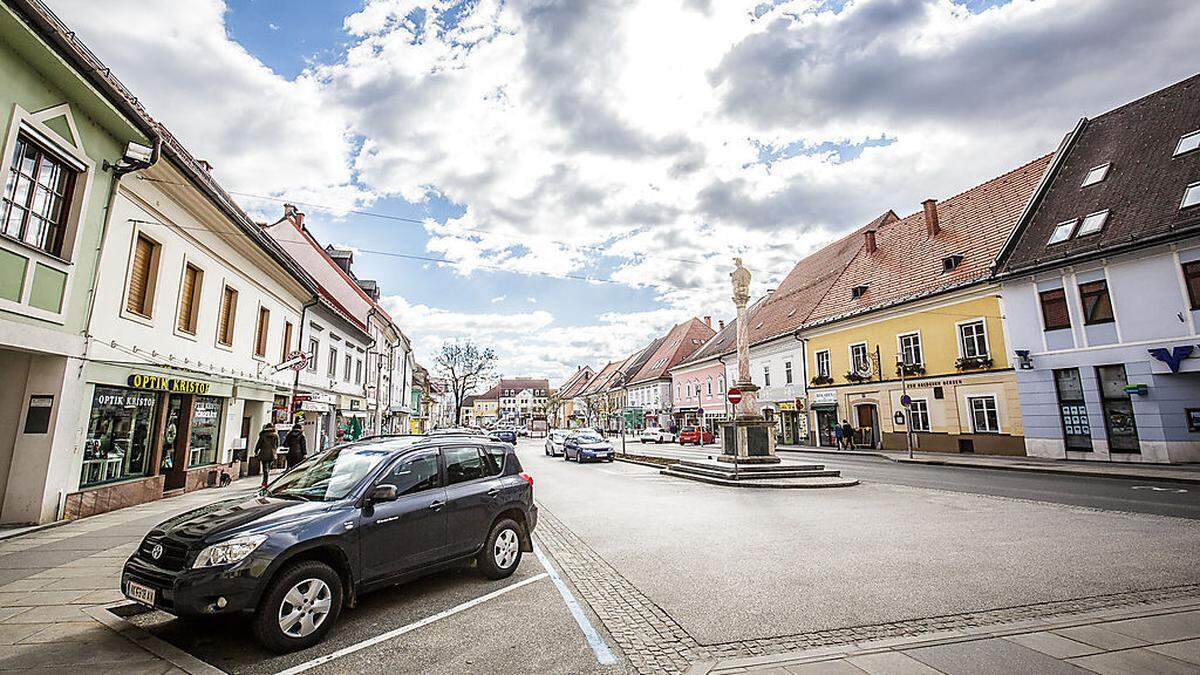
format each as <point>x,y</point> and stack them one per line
<point>848,435</point>
<point>297,447</point>
<point>265,449</point>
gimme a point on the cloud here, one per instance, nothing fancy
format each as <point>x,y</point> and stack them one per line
<point>498,298</point>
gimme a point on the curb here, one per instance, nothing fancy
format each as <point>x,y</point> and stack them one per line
<point>639,462</point>
<point>147,641</point>
<point>1058,470</point>
<point>30,529</point>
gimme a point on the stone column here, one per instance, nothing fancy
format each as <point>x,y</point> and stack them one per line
<point>748,437</point>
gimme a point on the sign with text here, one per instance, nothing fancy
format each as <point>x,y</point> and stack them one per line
<point>175,385</point>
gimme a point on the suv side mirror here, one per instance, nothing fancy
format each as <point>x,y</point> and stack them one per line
<point>383,493</point>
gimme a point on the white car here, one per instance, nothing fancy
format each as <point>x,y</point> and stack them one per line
<point>656,435</point>
<point>554,442</point>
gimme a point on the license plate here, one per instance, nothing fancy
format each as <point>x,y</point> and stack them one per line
<point>140,593</point>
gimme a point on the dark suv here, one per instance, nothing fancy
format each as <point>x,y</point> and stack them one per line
<point>352,519</point>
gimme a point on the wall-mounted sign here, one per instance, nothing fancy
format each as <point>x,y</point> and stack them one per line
<point>823,397</point>
<point>1172,357</point>
<point>787,405</point>
<point>1193,419</point>
<point>176,385</point>
<point>37,418</point>
<point>898,418</point>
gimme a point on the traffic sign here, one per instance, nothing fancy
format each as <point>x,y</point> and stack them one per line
<point>734,395</point>
<point>906,400</point>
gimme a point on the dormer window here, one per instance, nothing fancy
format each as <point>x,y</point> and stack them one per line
<point>951,262</point>
<point>1062,231</point>
<point>1191,196</point>
<point>1093,223</point>
<point>858,291</point>
<point>1188,143</point>
<point>1096,174</point>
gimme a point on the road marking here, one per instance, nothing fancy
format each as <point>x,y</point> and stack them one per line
<point>1159,489</point>
<point>603,654</point>
<point>307,665</point>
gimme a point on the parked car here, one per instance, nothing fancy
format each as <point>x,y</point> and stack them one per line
<point>695,436</point>
<point>554,442</point>
<point>506,435</point>
<point>586,444</point>
<point>352,519</point>
<point>656,435</point>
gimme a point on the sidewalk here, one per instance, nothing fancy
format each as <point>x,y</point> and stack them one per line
<point>1162,638</point>
<point>1175,473</point>
<point>54,584</point>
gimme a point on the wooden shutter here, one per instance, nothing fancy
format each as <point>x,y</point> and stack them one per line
<point>228,314</point>
<point>260,339</point>
<point>187,299</point>
<point>287,340</point>
<point>138,298</point>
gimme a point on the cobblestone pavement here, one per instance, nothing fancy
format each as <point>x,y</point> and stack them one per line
<point>654,642</point>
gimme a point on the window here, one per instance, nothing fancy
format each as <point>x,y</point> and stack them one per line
<point>1117,405</point>
<point>314,352</point>
<point>228,316</point>
<point>972,338</point>
<point>1187,143</point>
<point>206,427</point>
<point>287,341</point>
<point>910,349</point>
<point>918,414</point>
<point>358,371</point>
<point>1093,223</point>
<point>857,292</point>
<point>1191,277</point>
<point>677,392</point>
<point>414,474</point>
<point>859,361</point>
<point>37,196</point>
<point>333,361</point>
<point>1097,306</point>
<point>984,417</point>
<point>119,435</point>
<point>823,363</point>
<point>143,268</point>
<point>462,465</point>
<point>189,298</point>
<point>721,384</point>
<point>347,371</point>
<point>951,262</point>
<point>260,331</point>
<point>1191,196</point>
<point>1054,309</point>
<point>787,372</point>
<point>766,375</point>
<point>1072,410</point>
<point>1062,232</point>
<point>1095,175</point>
<point>710,386</point>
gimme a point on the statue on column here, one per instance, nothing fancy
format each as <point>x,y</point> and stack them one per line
<point>740,276</point>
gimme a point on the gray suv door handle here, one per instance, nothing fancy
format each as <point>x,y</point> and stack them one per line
<point>434,506</point>
<point>493,492</point>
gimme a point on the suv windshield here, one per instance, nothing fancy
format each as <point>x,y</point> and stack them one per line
<point>332,475</point>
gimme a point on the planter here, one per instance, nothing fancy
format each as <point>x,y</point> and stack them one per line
<point>973,363</point>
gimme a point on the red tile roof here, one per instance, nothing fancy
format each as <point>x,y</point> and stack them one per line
<point>597,383</point>
<point>576,382</point>
<point>678,344</point>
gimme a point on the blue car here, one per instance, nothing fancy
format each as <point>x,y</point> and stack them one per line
<point>505,435</point>
<point>587,445</point>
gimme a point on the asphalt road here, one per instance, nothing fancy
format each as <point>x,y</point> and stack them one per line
<point>1118,494</point>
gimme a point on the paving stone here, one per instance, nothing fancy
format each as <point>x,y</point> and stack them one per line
<point>1100,637</point>
<point>1053,645</point>
<point>50,614</point>
<point>890,663</point>
<point>1164,628</point>
<point>1134,662</point>
<point>993,656</point>
<point>1188,650</point>
<point>838,667</point>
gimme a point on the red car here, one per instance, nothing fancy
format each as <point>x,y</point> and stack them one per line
<point>695,435</point>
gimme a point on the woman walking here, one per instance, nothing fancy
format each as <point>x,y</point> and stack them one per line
<point>265,449</point>
<point>297,447</point>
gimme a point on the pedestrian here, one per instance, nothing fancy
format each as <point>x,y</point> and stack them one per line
<point>297,447</point>
<point>837,435</point>
<point>848,435</point>
<point>264,449</point>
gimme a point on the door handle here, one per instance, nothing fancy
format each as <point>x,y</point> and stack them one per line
<point>434,506</point>
<point>493,492</point>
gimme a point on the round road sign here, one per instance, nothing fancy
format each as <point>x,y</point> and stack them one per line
<point>906,400</point>
<point>300,360</point>
<point>734,395</point>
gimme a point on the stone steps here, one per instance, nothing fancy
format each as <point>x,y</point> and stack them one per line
<point>773,483</point>
<point>781,475</point>
<point>803,471</point>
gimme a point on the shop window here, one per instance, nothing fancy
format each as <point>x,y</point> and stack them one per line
<point>1191,277</point>
<point>1055,315</point>
<point>287,341</point>
<point>206,429</point>
<point>37,197</point>
<point>143,268</point>
<point>189,298</point>
<point>1118,409</point>
<point>228,317</point>
<point>918,414</point>
<point>261,331</point>
<point>1077,432</point>
<point>972,339</point>
<point>985,418</point>
<point>119,436</point>
<point>1097,306</point>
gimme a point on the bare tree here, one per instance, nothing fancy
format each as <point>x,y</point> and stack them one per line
<point>554,403</point>
<point>464,365</point>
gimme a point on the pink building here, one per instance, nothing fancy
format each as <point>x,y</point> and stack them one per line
<point>698,394</point>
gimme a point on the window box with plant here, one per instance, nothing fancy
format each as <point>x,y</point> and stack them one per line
<point>819,380</point>
<point>856,377</point>
<point>910,369</point>
<point>973,362</point>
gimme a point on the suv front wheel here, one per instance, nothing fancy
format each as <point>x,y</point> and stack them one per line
<point>299,608</point>
<point>502,551</point>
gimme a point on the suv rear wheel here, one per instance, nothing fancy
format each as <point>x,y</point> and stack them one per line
<point>299,608</point>
<point>502,551</point>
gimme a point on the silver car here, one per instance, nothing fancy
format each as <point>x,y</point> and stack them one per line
<point>554,442</point>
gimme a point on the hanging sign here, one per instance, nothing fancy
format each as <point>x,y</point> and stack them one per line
<point>176,385</point>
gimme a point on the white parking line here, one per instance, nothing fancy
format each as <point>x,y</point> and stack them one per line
<point>603,654</point>
<point>307,665</point>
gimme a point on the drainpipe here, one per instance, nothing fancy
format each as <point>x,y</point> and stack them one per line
<point>804,375</point>
<point>299,346</point>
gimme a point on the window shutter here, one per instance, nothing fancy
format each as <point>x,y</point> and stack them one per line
<point>187,297</point>
<point>139,277</point>
<point>260,341</point>
<point>225,325</point>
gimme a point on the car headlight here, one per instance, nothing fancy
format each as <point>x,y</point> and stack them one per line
<point>229,552</point>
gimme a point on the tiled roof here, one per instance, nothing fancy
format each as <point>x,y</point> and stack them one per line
<point>908,262</point>
<point>576,383</point>
<point>492,394</point>
<point>520,383</point>
<point>1142,190</point>
<point>596,384</point>
<point>678,344</point>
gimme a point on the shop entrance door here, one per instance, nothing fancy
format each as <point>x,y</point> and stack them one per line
<point>1118,409</point>
<point>826,421</point>
<point>865,429</point>
<point>173,457</point>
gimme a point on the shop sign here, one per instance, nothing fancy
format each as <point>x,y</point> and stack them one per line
<point>1172,357</point>
<point>131,399</point>
<point>787,405</point>
<point>175,385</point>
<point>824,398</point>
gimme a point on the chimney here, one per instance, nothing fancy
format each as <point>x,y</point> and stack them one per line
<point>869,236</point>
<point>931,217</point>
<point>708,321</point>
<point>205,164</point>
<point>293,215</point>
<point>720,324</point>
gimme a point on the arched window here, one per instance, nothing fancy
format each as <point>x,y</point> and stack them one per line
<point>721,383</point>
<point>710,386</point>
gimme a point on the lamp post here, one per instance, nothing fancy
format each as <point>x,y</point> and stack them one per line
<point>902,366</point>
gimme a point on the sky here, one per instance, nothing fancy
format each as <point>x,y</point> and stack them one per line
<point>563,181</point>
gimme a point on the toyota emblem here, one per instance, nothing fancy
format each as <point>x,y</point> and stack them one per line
<point>156,552</point>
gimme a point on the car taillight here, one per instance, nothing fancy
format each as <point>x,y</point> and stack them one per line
<point>528,479</point>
